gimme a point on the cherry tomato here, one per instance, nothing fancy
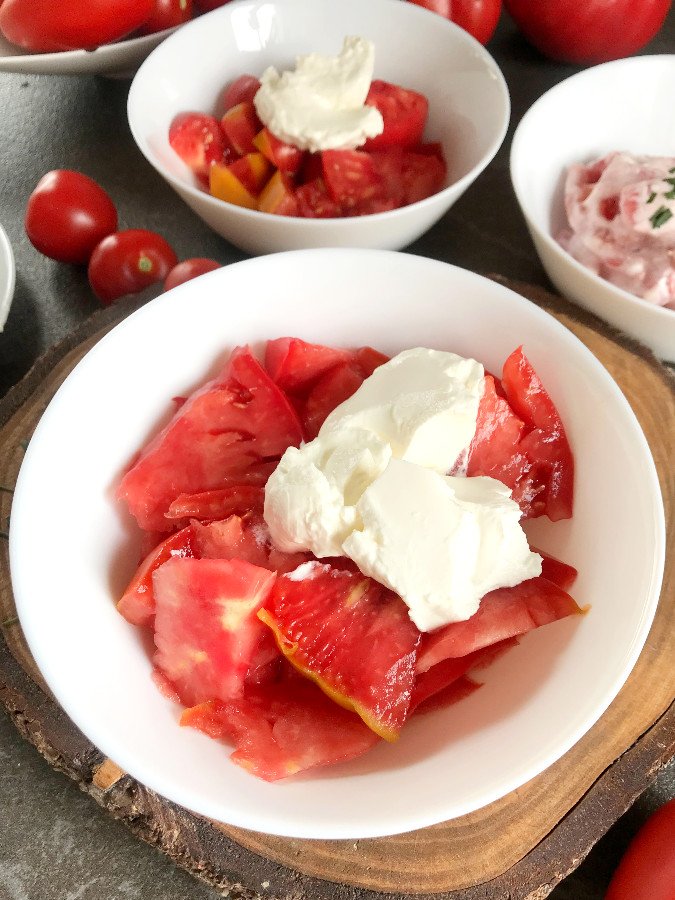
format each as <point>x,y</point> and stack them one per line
<point>189,269</point>
<point>478,17</point>
<point>647,868</point>
<point>208,5</point>
<point>588,32</point>
<point>67,215</point>
<point>241,90</point>
<point>44,26</point>
<point>128,262</point>
<point>167,14</point>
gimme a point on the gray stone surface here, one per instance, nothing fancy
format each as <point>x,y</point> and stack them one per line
<point>55,843</point>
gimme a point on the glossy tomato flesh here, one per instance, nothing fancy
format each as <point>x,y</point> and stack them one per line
<point>44,26</point>
<point>404,113</point>
<point>67,215</point>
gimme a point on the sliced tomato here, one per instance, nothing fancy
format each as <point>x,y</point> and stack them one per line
<point>314,201</point>
<point>243,537</point>
<point>503,613</point>
<point>198,140</point>
<point>404,113</point>
<point>556,570</point>
<point>137,604</point>
<point>230,428</point>
<point>409,175</point>
<point>284,157</point>
<point>331,389</point>
<point>206,628</point>
<point>240,124</point>
<point>284,728</point>
<point>241,90</point>
<point>452,693</point>
<point>351,177</point>
<point>368,359</point>
<point>350,635</point>
<point>278,196</point>
<point>546,444</point>
<point>295,364</point>
<point>252,171</point>
<point>217,504</point>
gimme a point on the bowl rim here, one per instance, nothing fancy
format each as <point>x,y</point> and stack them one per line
<point>331,222</point>
<point>180,793</point>
<point>658,312</point>
<point>6,287</point>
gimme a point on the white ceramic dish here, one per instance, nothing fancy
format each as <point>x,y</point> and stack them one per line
<point>539,699</point>
<point>7,276</point>
<point>623,105</point>
<point>121,58</point>
<point>468,104</point>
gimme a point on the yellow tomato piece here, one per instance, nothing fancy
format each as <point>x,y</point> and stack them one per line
<point>224,185</point>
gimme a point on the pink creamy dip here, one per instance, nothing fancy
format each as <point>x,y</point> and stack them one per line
<point>621,214</point>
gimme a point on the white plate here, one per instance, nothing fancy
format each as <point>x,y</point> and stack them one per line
<point>112,59</point>
<point>539,699</point>
<point>7,276</point>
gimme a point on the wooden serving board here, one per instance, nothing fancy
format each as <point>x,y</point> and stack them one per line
<point>519,847</point>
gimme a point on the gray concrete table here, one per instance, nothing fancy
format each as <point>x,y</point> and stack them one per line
<point>55,844</point>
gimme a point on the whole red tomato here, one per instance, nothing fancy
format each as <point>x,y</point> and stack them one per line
<point>67,215</point>
<point>647,869</point>
<point>189,269</point>
<point>588,31</point>
<point>167,14</point>
<point>127,262</point>
<point>44,26</point>
<point>478,17</point>
<point>208,5</point>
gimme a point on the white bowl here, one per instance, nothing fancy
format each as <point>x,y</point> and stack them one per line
<point>120,58</point>
<point>468,104</point>
<point>72,548</point>
<point>7,276</point>
<point>623,105</point>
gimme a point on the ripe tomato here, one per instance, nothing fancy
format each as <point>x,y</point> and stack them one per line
<point>167,14</point>
<point>647,869</point>
<point>208,5</point>
<point>241,90</point>
<point>478,17</point>
<point>128,262</point>
<point>67,215</point>
<point>188,269</point>
<point>198,140</point>
<point>43,26</point>
<point>587,33</point>
<point>404,113</point>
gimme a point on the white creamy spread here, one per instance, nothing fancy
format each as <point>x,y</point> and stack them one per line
<point>372,486</point>
<point>320,105</point>
<point>621,214</point>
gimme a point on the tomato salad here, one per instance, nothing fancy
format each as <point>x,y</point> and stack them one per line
<point>296,662</point>
<point>242,162</point>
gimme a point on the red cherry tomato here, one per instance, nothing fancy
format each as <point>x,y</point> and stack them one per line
<point>208,5</point>
<point>478,17</point>
<point>647,869</point>
<point>189,269</point>
<point>128,262</point>
<point>67,215</point>
<point>44,26</point>
<point>167,14</point>
<point>241,90</point>
<point>584,32</point>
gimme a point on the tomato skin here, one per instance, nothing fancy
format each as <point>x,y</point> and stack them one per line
<point>167,14</point>
<point>43,26</point>
<point>404,113</point>
<point>588,33</point>
<point>189,269</point>
<point>647,869</point>
<point>67,215</point>
<point>241,90</point>
<point>129,261</point>
<point>478,17</point>
<point>208,5</point>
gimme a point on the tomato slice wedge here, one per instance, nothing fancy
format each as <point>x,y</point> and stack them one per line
<point>330,390</point>
<point>218,504</point>
<point>503,613</point>
<point>404,113</point>
<point>137,604</point>
<point>295,364</point>
<point>351,636</point>
<point>226,431</point>
<point>206,628</point>
<point>351,177</point>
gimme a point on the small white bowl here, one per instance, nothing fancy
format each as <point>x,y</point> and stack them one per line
<point>7,276</point>
<point>468,104</point>
<point>624,105</point>
<point>120,58</point>
<point>538,700</point>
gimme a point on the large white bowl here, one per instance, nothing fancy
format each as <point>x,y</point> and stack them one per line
<point>72,547</point>
<point>120,58</point>
<point>468,104</point>
<point>7,276</point>
<point>623,105</point>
